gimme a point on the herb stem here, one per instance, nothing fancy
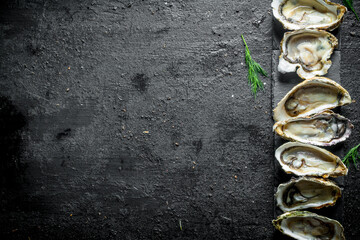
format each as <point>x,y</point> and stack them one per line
<point>247,48</point>
<point>254,69</point>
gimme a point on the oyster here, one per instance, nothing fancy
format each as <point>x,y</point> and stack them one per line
<point>300,14</point>
<point>305,225</point>
<point>322,129</point>
<point>307,160</point>
<point>305,193</point>
<point>308,51</point>
<point>311,96</point>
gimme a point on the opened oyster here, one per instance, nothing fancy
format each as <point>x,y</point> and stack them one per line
<point>311,96</point>
<point>300,14</point>
<point>308,51</point>
<point>307,160</point>
<point>322,129</point>
<point>305,225</point>
<point>305,193</point>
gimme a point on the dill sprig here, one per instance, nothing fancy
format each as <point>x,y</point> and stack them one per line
<point>353,155</point>
<point>254,71</point>
<point>180,225</point>
<point>349,4</point>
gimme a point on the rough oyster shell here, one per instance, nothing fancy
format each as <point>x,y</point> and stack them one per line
<point>322,129</point>
<point>307,160</point>
<point>308,51</point>
<point>311,96</point>
<point>305,225</point>
<point>307,192</point>
<point>315,14</point>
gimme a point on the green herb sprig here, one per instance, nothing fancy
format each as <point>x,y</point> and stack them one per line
<point>349,4</point>
<point>180,225</point>
<point>254,71</point>
<point>353,155</point>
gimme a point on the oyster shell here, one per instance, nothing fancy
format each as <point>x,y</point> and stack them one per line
<point>305,225</point>
<point>311,96</point>
<point>308,51</point>
<point>307,160</point>
<point>305,193</point>
<point>322,129</point>
<point>315,14</point>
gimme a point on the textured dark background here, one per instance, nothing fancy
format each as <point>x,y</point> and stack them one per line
<point>83,81</point>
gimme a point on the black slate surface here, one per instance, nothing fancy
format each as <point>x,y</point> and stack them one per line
<point>134,120</point>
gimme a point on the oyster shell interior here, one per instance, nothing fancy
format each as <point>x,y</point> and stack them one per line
<point>305,193</point>
<point>311,96</point>
<point>300,14</point>
<point>308,12</point>
<point>306,225</point>
<point>307,160</point>
<point>310,50</point>
<point>324,129</point>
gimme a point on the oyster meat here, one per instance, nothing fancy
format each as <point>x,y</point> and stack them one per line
<point>311,96</point>
<point>305,225</point>
<point>307,160</point>
<point>308,51</point>
<point>305,193</point>
<point>322,129</point>
<point>315,14</point>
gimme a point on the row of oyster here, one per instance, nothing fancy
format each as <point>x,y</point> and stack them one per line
<point>304,116</point>
<point>308,49</point>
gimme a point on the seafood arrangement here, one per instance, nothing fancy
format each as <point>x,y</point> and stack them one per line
<point>305,117</point>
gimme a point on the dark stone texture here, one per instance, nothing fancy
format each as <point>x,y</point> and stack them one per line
<point>11,167</point>
<point>350,72</point>
<point>139,116</point>
<point>134,120</point>
<point>351,30</point>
